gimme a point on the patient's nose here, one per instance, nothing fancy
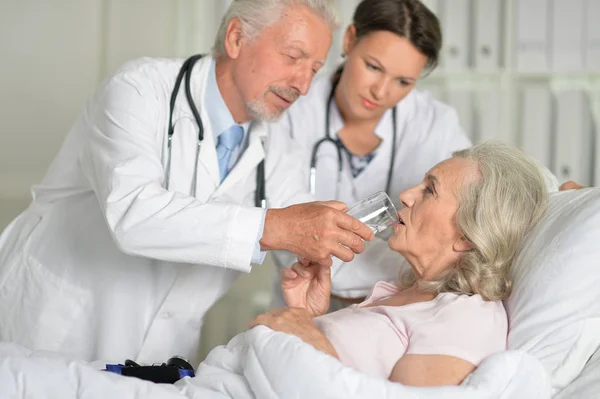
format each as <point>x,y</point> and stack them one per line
<point>407,197</point>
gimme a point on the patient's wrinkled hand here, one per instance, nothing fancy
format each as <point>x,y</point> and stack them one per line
<point>295,321</point>
<point>286,319</point>
<point>298,322</point>
<point>307,285</point>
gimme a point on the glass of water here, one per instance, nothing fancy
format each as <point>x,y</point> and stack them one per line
<point>376,211</point>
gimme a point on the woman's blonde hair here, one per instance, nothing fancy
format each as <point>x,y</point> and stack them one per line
<point>495,213</point>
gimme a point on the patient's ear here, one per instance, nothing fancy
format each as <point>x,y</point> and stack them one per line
<point>462,245</point>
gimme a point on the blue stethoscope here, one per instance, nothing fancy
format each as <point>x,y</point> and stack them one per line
<point>328,139</point>
<point>260,199</point>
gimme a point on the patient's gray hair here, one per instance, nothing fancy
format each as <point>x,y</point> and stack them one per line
<point>255,15</point>
<point>495,213</point>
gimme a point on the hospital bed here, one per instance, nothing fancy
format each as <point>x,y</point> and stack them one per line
<point>554,336</point>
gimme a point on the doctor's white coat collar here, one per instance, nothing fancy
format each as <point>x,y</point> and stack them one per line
<point>256,132</point>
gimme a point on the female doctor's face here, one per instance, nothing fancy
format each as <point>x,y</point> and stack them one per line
<point>277,66</point>
<point>381,69</point>
<point>428,236</point>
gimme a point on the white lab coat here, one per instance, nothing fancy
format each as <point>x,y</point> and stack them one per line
<point>428,132</point>
<point>106,263</point>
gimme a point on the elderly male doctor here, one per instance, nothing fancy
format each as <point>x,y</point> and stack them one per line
<point>109,263</point>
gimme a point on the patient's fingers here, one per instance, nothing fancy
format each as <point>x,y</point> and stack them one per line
<point>288,274</point>
<point>324,273</point>
<point>258,320</point>
<point>305,272</point>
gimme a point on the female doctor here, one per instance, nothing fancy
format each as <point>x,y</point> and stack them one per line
<point>365,128</point>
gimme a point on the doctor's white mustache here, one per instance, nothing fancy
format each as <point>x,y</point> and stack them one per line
<point>286,93</point>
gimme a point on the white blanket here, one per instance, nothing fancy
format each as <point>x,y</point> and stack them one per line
<point>259,363</point>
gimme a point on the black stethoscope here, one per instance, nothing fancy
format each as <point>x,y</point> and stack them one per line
<point>260,199</point>
<point>328,139</point>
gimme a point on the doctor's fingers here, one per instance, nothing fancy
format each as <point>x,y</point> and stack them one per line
<point>355,226</point>
<point>342,253</point>
<point>340,243</point>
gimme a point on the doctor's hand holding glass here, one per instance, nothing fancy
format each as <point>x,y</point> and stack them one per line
<point>153,205</point>
<point>365,128</point>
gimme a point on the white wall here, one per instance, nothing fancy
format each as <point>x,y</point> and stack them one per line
<point>50,63</point>
<point>54,54</point>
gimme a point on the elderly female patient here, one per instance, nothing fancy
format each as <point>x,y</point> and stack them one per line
<point>459,231</point>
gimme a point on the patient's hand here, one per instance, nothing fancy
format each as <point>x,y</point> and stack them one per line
<point>307,285</point>
<point>297,322</point>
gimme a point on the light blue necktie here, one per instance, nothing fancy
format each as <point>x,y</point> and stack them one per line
<point>227,142</point>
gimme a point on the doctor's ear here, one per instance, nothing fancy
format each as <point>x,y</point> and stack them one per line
<point>234,38</point>
<point>349,39</point>
<point>462,245</point>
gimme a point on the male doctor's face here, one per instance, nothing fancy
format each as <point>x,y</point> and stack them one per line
<point>277,66</point>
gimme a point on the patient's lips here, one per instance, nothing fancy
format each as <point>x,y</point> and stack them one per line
<point>400,220</point>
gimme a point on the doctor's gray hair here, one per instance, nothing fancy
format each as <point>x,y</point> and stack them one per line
<point>255,15</point>
<point>495,213</point>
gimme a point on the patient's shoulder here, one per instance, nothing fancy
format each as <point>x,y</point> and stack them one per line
<point>468,305</point>
<point>463,326</point>
<point>464,311</point>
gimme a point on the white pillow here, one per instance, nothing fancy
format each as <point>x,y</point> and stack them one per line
<point>554,311</point>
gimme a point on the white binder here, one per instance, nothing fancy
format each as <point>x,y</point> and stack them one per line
<point>568,35</point>
<point>573,151</point>
<point>531,36</point>
<point>488,32</point>
<point>455,21</point>
<point>462,101</point>
<point>488,117</point>
<point>536,122</point>
<point>592,42</point>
